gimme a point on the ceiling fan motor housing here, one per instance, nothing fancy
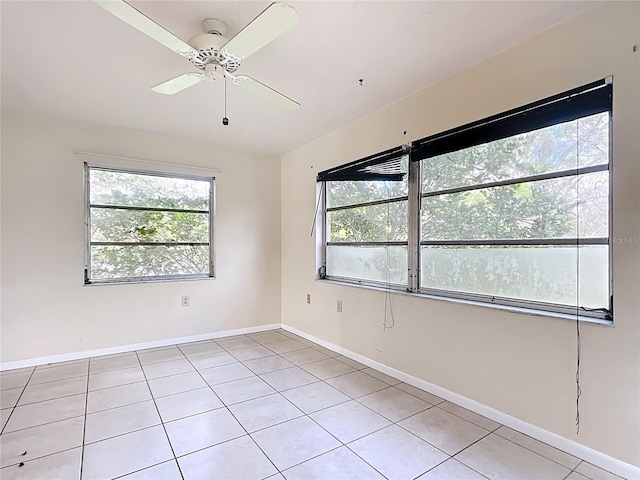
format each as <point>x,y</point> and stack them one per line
<point>209,46</point>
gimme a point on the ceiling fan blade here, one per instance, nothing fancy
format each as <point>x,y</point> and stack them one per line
<point>266,93</point>
<point>144,24</point>
<point>179,83</point>
<point>275,20</point>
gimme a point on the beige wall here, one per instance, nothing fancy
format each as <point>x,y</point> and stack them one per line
<point>46,310</point>
<point>522,365</point>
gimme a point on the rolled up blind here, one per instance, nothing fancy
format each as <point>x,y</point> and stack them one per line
<point>579,102</point>
<point>385,166</point>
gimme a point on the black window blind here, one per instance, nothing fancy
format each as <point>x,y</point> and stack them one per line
<point>580,102</point>
<point>386,166</point>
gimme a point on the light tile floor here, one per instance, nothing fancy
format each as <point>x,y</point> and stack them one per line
<point>265,405</point>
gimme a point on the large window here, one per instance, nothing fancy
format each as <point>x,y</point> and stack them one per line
<point>146,226</point>
<point>512,210</point>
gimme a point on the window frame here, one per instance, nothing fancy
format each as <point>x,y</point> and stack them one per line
<point>146,279</point>
<point>415,242</point>
<point>327,228</point>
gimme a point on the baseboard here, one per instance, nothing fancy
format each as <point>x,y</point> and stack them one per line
<point>576,449</point>
<point>64,357</point>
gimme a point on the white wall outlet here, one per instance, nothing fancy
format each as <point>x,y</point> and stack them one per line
<point>185,300</point>
<point>308,298</point>
<point>339,306</point>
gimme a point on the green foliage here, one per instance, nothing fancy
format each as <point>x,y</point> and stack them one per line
<point>542,209</point>
<point>110,225</point>
<point>119,225</point>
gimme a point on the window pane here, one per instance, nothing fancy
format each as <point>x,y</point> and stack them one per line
<point>593,208</point>
<point>381,264</point>
<point>340,194</point>
<point>542,274</point>
<point>110,225</point>
<point>542,209</point>
<point>581,142</point>
<point>376,223</point>
<point>148,261</point>
<point>120,188</point>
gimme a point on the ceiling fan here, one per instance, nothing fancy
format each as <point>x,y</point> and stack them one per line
<point>214,54</point>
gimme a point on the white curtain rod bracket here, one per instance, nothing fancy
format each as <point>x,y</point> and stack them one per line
<point>141,160</point>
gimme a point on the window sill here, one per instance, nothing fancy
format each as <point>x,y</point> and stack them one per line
<point>522,310</point>
<point>102,283</point>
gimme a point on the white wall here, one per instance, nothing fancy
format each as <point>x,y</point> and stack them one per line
<point>46,310</point>
<point>519,364</point>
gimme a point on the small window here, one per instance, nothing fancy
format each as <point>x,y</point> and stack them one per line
<point>368,230</point>
<point>147,226</point>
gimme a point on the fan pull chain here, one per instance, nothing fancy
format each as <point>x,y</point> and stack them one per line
<point>225,120</point>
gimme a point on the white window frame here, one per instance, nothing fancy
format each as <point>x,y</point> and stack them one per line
<point>158,278</point>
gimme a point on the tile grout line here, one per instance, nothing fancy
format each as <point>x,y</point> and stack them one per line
<point>160,417</point>
<point>466,420</point>
<point>44,423</point>
<point>568,474</point>
<point>469,446</point>
<point>356,399</point>
<point>47,423</point>
<point>346,445</point>
<point>400,426</point>
<point>493,431</point>
<point>56,380</point>
<point>145,468</point>
<point>234,417</point>
<point>13,409</point>
<point>279,392</point>
<point>262,396</point>
<point>225,406</point>
<point>84,426</point>
<point>575,469</point>
<point>280,423</point>
<point>304,414</point>
<point>50,399</point>
<point>341,443</point>
<point>40,457</point>
<point>452,460</point>
<point>537,453</point>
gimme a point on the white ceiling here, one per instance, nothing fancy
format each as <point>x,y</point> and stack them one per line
<point>71,59</point>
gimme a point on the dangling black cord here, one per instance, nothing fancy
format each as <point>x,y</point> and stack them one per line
<point>578,390</point>
<point>578,342</point>
<point>387,295</point>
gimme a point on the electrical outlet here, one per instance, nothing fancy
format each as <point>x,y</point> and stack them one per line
<point>339,306</point>
<point>308,298</point>
<point>185,301</point>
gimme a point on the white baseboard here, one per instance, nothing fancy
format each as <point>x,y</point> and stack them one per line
<point>64,357</point>
<point>576,449</point>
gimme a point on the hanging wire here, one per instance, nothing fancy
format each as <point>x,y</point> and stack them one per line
<point>578,341</point>
<point>315,215</point>
<point>387,295</point>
